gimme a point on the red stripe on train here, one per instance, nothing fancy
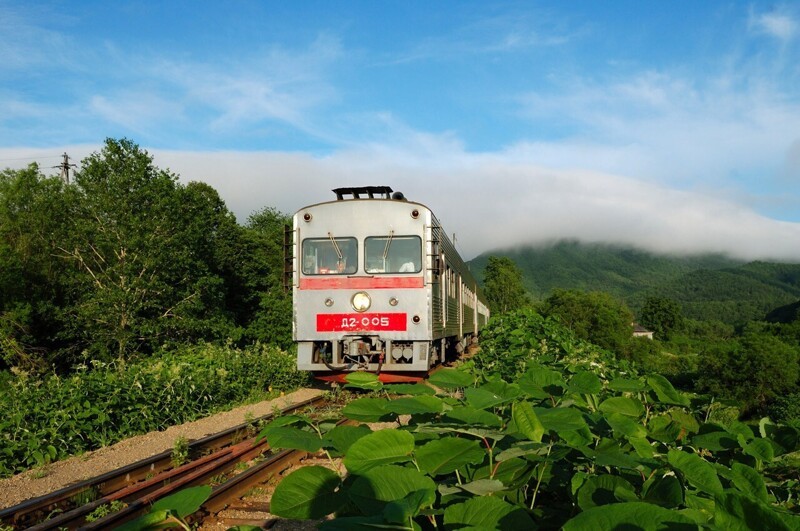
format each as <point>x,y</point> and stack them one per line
<point>361,282</point>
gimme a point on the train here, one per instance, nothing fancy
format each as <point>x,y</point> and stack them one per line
<point>377,286</point>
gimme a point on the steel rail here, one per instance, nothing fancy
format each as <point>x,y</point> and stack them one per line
<point>25,514</point>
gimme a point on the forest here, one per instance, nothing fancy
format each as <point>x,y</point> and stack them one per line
<point>126,260</point>
<point>753,366</point>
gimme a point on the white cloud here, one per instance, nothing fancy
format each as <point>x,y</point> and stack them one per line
<point>272,84</point>
<point>500,200</point>
<point>669,128</point>
<point>781,26</point>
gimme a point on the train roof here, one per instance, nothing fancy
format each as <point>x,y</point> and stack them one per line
<point>372,192</point>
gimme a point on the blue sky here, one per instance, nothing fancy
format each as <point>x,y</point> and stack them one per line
<point>673,126</point>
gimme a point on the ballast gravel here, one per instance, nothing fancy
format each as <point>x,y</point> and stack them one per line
<point>54,476</point>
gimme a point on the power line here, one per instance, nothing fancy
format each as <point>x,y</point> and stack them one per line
<point>65,166</point>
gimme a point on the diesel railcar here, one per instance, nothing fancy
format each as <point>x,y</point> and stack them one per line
<point>378,286</point>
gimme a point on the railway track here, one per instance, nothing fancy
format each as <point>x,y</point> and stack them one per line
<point>137,486</point>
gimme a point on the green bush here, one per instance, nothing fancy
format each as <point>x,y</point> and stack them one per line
<point>786,409</point>
<point>509,344</point>
<point>52,418</point>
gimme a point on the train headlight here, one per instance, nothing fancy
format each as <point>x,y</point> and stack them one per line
<point>361,301</point>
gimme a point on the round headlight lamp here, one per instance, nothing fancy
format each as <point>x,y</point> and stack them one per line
<point>361,301</point>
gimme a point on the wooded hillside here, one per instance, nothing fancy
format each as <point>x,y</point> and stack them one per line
<point>708,287</point>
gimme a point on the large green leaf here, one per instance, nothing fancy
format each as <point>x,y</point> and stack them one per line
<point>414,405</point>
<point>604,489</point>
<point>697,471</point>
<point>410,389</point>
<point>716,441</point>
<point>607,452</point>
<point>368,410</point>
<point>363,380</point>
<point>749,481</point>
<point>183,502</point>
<point>294,439</point>
<point>761,449</point>
<point>664,490</point>
<point>163,519</point>
<point>665,429</point>
<point>491,394</point>
<point>585,383</point>
<point>401,511</point>
<point>526,421</point>
<point>379,448</point>
<point>737,512</point>
<point>628,385</point>
<point>470,415</point>
<point>665,392</point>
<point>623,405</point>
<point>540,382</point>
<point>486,512</point>
<point>483,487</point>
<point>360,523</point>
<point>638,516</point>
<point>375,488</point>
<point>443,456</point>
<point>560,419</point>
<point>308,492</point>
<point>451,379</point>
<point>625,426</point>
<point>342,437</point>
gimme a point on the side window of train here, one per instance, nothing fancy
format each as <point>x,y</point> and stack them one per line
<point>330,256</point>
<point>392,254</point>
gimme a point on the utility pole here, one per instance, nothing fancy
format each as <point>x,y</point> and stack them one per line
<point>65,166</point>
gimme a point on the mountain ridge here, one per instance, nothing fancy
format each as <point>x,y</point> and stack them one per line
<point>708,287</point>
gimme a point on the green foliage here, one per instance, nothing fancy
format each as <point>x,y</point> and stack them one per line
<point>753,370</point>
<point>707,287</point>
<point>595,316</point>
<point>662,316</point>
<point>170,511</point>
<point>180,451</point>
<point>52,418</point>
<point>511,341</point>
<point>621,271</point>
<point>786,408</point>
<point>126,260</point>
<point>105,509</point>
<point>573,442</point>
<point>503,286</point>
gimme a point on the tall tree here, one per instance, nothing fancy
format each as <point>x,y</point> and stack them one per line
<point>662,316</point>
<point>595,316</point>
<point>34,210</point>
<point>271,318</point>
<point>503,285</point>
<point>753,369</point>
<point>145,246</point>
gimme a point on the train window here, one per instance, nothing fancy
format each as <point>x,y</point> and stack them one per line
<point>330,256</point>
<point>393,254</point>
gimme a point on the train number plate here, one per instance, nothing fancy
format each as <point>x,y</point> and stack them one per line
<point>362,322</point>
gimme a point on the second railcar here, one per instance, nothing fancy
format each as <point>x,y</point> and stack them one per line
<point>378,286</point>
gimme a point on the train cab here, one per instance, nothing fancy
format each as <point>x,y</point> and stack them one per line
<point>367,274</point>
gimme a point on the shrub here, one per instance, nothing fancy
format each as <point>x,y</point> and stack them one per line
<point>49,419</point>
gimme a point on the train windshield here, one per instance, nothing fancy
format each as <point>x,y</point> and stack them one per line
<point>330,256</point>
<point>393,254</point>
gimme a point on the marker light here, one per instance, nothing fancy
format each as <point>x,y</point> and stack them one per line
<point>361,301</point>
